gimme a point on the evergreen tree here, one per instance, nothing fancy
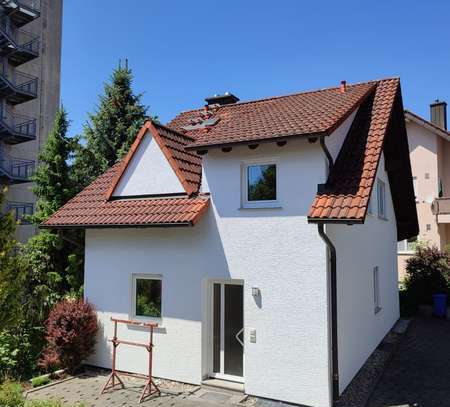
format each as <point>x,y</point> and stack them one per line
<point>111,130</point>
<point>52,183</point>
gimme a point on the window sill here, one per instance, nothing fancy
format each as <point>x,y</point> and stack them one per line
<point>377,310</point>
<point>261,205</point>
<point>147,320</point>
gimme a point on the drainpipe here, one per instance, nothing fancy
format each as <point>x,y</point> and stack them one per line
<point>333,292</point>
<point>333,295</point>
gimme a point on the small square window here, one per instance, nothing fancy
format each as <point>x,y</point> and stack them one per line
<point>428,227</point>
<point>147,296</point>
<point>259,187</point>
<point>381,197</point>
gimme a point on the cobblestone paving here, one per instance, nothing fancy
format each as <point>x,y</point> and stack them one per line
<point>419,373</point>
<point>86,389</point>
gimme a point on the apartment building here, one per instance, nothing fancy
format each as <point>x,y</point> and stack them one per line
<point>429,147</point>
<point>30,55</point>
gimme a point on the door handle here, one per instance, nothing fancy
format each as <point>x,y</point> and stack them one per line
<point>239,339</point>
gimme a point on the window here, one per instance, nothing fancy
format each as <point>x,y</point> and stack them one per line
<point>427,175</point>
<point>260,185</point>
<point>407,245</point>
<point>376,290</point>
<point>428,227</point>
<point>381,196</point>
<point>21,210</point>
<point>147,296</point>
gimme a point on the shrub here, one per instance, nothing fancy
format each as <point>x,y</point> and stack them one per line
<point>50,403</point>
<point>427,273</point>
<point>11,395</point>
<point>40,381</point>
<point>71,334</point>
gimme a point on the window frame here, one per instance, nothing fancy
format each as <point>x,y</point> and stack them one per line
<point>245,203</point>
<point>376,289</point>
<point>381,199</point>
<point>144,276</point>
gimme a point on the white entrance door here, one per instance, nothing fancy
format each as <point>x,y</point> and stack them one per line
<point>228,331</point>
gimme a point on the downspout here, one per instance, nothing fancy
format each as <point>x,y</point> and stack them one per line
<point>333,291</point>
<point>333,295</point>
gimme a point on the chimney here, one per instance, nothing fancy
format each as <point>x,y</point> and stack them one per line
<point>438,113</point>
<point>226,99</point>
<point>343,87</point>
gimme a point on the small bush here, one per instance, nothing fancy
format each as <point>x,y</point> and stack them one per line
<point>11,395</point>
<point>427,273</point>
<point>40,381</point>
<point>71,334</point>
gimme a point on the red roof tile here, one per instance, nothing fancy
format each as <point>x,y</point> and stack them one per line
<point>349,185</point>
<point>90,208</point>
<point>305,113</point>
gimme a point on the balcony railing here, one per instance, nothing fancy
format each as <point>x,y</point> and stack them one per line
<point>16,170</point>
<point>18,46</point>
<point>18,87</point>
<point>16,128</point>
<point>20,211</point>
<point>21,11</point>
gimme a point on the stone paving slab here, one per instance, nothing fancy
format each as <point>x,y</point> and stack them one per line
<point>419,372</point>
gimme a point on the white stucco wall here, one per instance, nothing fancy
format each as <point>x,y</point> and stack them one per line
<point>359,248</point>
<point>148,173</point>
<point>336,139</point>
<point>275,250</point>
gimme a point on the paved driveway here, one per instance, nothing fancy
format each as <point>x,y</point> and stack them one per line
<point>419,373</point>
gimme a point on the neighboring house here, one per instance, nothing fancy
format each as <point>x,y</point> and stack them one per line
<point>243,230</point>
<point>429,147</point>
<point>30,57</point>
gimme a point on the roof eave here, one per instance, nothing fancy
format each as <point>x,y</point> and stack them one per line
<point>118,226</point>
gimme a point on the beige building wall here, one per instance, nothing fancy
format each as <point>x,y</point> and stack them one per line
<point>430,164</point>
<point>47,68</point>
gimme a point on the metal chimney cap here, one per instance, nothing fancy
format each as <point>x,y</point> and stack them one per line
<point>226,99</point>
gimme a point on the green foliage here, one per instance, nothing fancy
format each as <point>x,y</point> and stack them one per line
<point>52,182</point>
<point>11,395</point>
<point>111,130</point>
<point>427,273</point>
<point>40,381</point>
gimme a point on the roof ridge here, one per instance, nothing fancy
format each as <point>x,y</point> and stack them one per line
<point>265,99</point>
<point>428,122</point>
<point>173,130</point>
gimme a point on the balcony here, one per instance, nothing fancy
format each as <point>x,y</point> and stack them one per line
<point>17,45</point>
<point>441,208</point>
<point>21,12</point>
<point>15,128</point>
<point>15,170</point>
<point>18,87</point>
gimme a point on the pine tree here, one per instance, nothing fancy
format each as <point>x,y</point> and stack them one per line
<point>53,185</point>
<point>111,130</point>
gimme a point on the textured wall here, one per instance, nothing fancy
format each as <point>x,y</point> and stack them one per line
<point>359,248</point>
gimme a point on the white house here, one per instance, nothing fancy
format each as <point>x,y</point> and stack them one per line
<point>261,236</point>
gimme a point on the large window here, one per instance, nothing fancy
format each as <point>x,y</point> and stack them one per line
<point>147,296</point>
<point>21,210</point>
<point>381,197</point>
<point>260,184</point>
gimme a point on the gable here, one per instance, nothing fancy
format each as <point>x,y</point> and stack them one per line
<point>148,172</point>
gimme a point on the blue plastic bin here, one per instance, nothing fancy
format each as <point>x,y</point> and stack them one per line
<point>440,305</point>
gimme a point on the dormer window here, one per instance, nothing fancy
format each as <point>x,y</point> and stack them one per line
<point>259,187</point>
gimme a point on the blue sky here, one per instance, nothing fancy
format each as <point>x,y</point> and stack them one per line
<point>183,51</point>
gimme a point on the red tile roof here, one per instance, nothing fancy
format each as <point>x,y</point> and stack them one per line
<point>187,165</point>
<point>308,113</point>
<point>90,208</point>
<point>345,195</point>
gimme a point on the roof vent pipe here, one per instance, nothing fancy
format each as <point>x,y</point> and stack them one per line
<point>438,114</point>
<point>343,87</point>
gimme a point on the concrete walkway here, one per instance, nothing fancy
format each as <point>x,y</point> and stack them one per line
<point>419,373</point>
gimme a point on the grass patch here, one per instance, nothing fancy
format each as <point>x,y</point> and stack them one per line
<point>40,381</point>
